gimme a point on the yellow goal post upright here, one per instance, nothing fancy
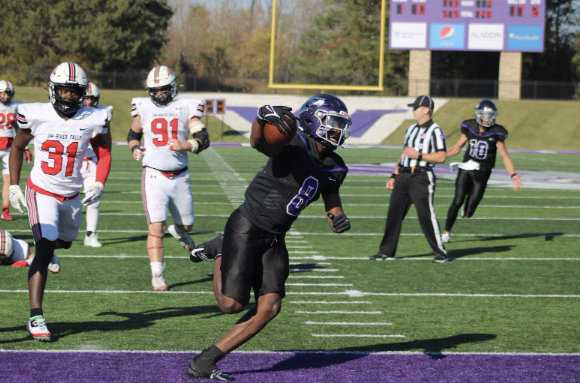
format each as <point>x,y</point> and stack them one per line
<point>377,88</point>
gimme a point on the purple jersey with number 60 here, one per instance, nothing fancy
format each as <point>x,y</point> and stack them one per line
<point>289,182</point>
<point>482,145</point>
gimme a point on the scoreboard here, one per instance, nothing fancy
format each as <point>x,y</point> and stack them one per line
<point>469,25</point>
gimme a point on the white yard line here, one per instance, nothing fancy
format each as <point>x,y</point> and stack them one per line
<point>358,335</point>
<point>321,293</point>
<point>329,302</point>
<point>349,323</point>
<point>318,276</point>
<point>339,312</point>
<point>320,284</point>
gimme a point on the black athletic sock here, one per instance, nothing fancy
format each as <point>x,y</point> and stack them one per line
<point>89,233</point>
<point>35,312</point>
<point>205,363</point>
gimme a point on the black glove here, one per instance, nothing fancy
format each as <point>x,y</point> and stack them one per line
<point>279,116</point>
<point>340,223</point>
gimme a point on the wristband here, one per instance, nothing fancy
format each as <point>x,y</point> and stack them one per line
<point>393,176</point>
<point>135,147</point>
<point>513,175</point>
<point>420,158</point>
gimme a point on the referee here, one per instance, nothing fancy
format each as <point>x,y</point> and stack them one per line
<point>425,146</point>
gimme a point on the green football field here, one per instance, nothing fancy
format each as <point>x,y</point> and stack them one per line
<point>512,284</point>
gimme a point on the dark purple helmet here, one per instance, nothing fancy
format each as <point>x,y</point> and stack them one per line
<point>486,113</point>
<point>326,119</point>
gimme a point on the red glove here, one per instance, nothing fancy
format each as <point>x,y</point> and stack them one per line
<point>20,264</point>
<point>28,155</point>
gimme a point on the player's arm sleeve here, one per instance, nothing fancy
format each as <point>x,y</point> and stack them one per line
<point>135,104</point>
<point>103,153</point>
<point>195,108</point>
<point>502,137</point>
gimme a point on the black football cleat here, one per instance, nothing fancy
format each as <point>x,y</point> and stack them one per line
<point>211,249</point>
<point>215,374</point>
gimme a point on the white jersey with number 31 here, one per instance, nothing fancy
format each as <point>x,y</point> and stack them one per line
<point>160,124</point>
<point>60,145</point>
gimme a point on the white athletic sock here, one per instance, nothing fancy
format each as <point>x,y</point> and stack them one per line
<point>92,218</point>
<point>156,267</point>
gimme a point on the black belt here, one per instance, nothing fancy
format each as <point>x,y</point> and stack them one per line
<point>415,169</point>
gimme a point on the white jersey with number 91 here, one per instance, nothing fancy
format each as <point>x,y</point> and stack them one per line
<point>60,145</point>
<point>160,124</point>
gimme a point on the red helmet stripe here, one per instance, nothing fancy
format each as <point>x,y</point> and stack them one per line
<point>71,67</point>
<point>89,88</point>
<point>157,69</point>
<point>2,249</point>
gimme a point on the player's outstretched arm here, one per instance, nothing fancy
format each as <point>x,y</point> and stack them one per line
<point>509,165</point>
<point>455,149</point>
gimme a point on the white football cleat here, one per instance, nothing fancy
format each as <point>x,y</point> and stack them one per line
<point>184,240</point>
<point>158,282</point>
<point>37,328</point>
<point>54,265</point>
<point>92,241</point>
<point>446,237</point>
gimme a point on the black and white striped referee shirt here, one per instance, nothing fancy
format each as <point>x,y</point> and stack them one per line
<point>426,138</point>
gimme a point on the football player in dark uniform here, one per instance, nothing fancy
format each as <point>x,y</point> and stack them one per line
<point>254,255</point>
<point>485,138</point>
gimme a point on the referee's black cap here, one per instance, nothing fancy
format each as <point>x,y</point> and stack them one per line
<point>423,101</point>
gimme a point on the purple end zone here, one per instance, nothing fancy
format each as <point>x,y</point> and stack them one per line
<point>22,366</point>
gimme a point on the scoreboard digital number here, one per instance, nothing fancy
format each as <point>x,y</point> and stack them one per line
<point>518,11</point>
<point>456,24</point>
<point>416,9</point>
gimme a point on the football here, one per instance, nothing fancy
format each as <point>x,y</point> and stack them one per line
<point>274,137</point>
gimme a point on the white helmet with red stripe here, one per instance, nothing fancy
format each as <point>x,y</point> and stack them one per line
<point>162,85</point>
<point>93,91</point>
<point>67,76</point>
<point>6,87</point>
<point>6,247</point>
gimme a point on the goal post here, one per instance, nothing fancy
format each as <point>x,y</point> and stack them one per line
<point>377,88</point>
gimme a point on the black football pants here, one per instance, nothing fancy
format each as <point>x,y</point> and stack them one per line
<point>417,189</point>
<point>469,185</point>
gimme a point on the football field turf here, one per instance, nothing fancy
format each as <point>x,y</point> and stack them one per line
<point>504,308</point>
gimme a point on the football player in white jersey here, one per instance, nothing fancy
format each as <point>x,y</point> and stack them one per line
<point>89,169</point>
<point>62,129</point>
<point>17,253</point>
<point>8,109</point>
<point>165,123</point>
